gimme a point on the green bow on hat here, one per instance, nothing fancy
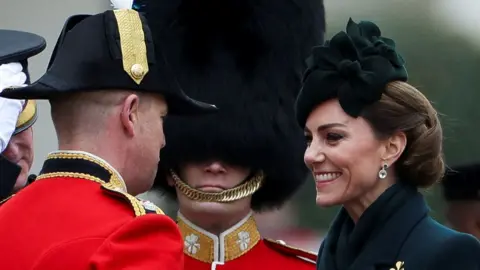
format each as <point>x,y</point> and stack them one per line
<point>354,66</point>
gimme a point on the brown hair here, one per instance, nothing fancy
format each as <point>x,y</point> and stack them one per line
<point>403,108</point>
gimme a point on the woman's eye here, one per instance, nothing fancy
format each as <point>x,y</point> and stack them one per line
<point>308,139</point>
<point>333,137</point>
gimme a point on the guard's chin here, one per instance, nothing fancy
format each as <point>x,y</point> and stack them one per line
<point>211,207</point>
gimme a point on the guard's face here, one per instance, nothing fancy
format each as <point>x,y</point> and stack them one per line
<point>343,155</point>
<point>212,176</point>
<point>20,151</point>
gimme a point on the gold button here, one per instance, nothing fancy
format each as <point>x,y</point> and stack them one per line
<point>137,71</point>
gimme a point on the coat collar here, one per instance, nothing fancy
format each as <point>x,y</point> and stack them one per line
<point>383,249</point>
<point>229,245</point>
<point>83,165</point>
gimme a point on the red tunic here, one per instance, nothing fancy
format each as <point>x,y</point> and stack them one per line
<point>239,248</point>
<point>75,216</point>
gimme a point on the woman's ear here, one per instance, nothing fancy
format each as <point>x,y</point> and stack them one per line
<point>394,147</point>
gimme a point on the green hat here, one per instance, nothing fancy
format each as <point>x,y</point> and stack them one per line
<point>354,66</point>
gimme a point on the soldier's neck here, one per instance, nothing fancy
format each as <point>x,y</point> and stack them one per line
<point>215,223</point>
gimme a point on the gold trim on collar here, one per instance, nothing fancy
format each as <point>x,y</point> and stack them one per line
<point>231,244</point>
<point>115,179</point>
<point>139,206</point>
<point>114,186</point>
<point>234,194</point>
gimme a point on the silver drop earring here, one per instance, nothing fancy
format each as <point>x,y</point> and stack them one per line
<point>383,171</point>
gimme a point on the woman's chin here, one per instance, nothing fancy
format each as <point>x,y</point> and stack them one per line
<point>326,201</point>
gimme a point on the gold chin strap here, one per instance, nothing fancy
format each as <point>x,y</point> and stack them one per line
<point>234,194</point>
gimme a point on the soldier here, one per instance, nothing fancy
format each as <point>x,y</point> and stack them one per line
<point>108,96</point>
<point>16,116</point>
<point>247,57</point>
<point>461,190</point>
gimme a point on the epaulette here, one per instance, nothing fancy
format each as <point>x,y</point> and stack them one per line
<point>282,247</point>
<point>140,207</point>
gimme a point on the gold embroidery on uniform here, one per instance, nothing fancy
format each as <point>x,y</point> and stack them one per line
<point>201,246</point>
<point>115,184</point>
<point>71,175</point>
<point>399,266</point>
<point>136,204</point>
<point>115,178</point>
<point>196,244</point>
<point>115,181</point>
<point>235,240</point>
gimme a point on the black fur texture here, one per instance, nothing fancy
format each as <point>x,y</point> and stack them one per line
<point>247,57</point>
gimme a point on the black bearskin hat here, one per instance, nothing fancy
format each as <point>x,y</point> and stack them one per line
<point>247,57</point>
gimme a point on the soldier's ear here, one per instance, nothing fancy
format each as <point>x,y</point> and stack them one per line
<point>130,114</point>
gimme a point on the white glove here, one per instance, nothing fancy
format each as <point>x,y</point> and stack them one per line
<point>10,75</point>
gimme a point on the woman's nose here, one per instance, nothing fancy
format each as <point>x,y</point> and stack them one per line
<point>313,155</point>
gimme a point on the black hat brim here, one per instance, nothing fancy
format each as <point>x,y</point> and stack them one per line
<point>17,46</point>
<point>47,87</point>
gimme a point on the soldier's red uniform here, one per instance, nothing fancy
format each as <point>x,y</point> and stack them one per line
<point>240,247</point>
<point>86,222</point>
<point>78,214</point>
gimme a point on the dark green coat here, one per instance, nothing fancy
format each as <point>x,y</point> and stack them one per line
<point>396,233</point>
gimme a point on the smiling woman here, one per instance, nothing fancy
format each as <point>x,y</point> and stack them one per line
<point>373,140</point>
<point>400,135</point>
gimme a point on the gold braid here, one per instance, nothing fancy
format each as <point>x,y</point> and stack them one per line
<point>234,194</point>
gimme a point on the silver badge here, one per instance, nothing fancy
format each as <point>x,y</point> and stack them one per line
<point>149,205</point>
